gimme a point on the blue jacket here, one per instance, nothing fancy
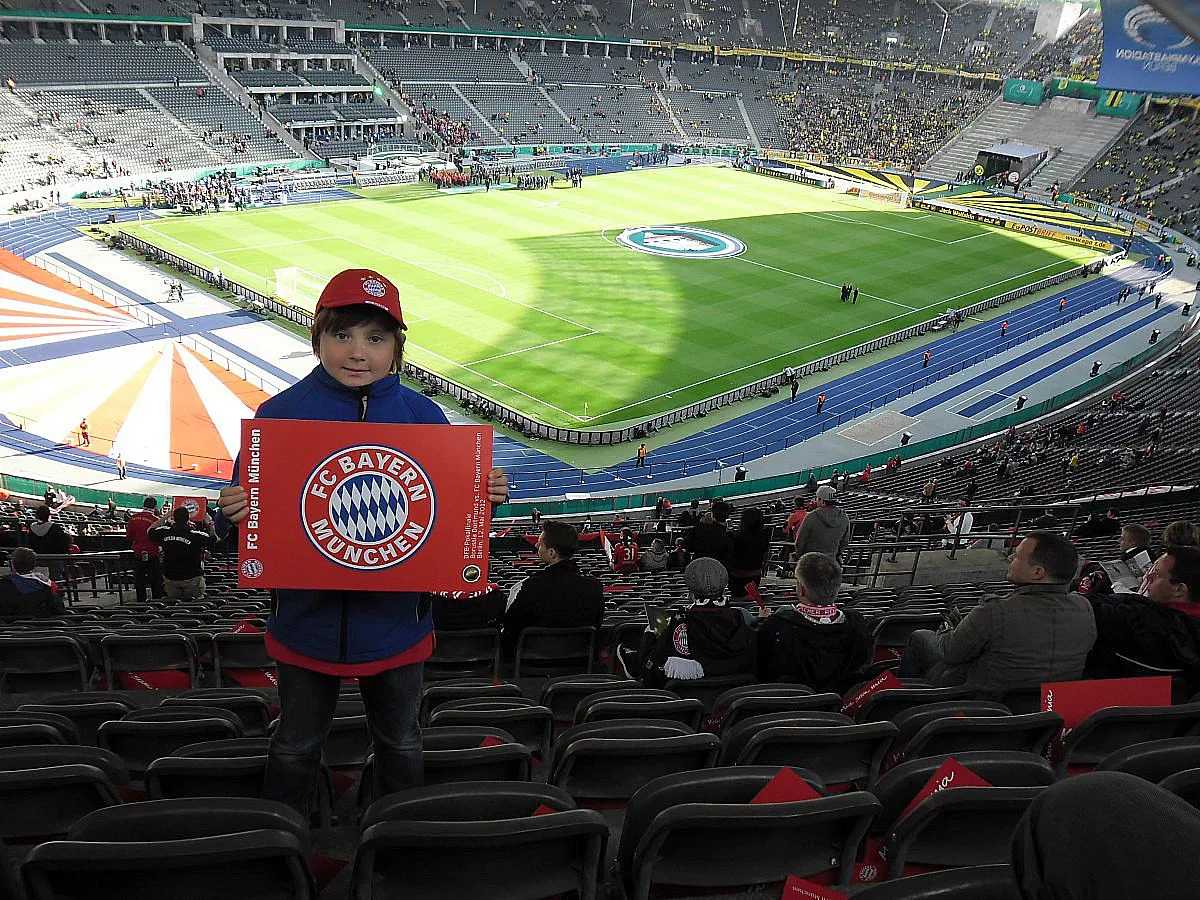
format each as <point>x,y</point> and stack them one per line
<point>350,626</point>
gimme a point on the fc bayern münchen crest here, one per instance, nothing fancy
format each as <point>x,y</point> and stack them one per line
<point>374,287</point>
<point>368,507</point>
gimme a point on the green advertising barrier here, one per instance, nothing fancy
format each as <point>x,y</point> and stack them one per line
<point>1022,90</point>
<point>1124,104</point>
<point>1069,87</point>
<point>34,488</point>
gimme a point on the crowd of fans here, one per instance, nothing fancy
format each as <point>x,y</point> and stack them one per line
<point>1152,169</point>
<point>1075,55</point>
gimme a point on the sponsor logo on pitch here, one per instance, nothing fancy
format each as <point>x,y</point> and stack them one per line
<point>681,242</point>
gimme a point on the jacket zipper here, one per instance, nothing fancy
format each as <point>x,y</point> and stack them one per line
<point>362,417</point>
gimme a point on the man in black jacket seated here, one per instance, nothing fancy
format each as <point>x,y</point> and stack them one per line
<point>814,642</point>
<point>558,596</point>
<point>1159,629</point>
<point>24,593</point>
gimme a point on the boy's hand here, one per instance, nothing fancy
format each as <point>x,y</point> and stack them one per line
<point>234,503</point>
<point>497,486</point>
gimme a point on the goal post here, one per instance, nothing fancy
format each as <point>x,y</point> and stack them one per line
<point>883,195</point>
<point>298,287</point>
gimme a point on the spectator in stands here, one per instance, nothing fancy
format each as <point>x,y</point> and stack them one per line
<point>751,543</point>
<point>708,638</point>
<point>319,637</point>
<point>826,529</point>
<point>1182,534</point>
<point>1040,632</point>
<point>814,641</point>
<point>691,515</point>
<point>679,557</point>
<point>558,596</point>
<point>625,552</point>
<point>1105,836</point>
<point>959,525</point>
<point>795,520</point>
<point>709,538</point>
<point>1161,629</point>
<point>46,537</point>
<point>184,547</point>
<point>655,557</point>
<point>463,610</point>
<point>1098,525</point>
<point>26,593</point>
<point>1137,553</point>
<point>1047,521</point>
<point>147,559</point>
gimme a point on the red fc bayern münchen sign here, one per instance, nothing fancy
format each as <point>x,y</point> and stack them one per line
<point>359,506</point>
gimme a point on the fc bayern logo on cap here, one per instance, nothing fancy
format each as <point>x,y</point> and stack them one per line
<point>368,507</point>
<point>374,287</point>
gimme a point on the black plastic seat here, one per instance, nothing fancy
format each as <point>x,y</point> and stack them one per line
<point>968,883</point>
<point>839,752</point>
<point>123,654</point>
<point>1108,730</point>
<point>466,753</point>
<point>63,725</point>
<point>689,711</point>
<point>44,663</point>
<point>1030,733</point>
<point>562,695</point>
<point>139,743</point>
<point>961,826</point>
<point>708,689</point>
<point>671,822</point>
<point>610,760</point>
<point>229,847</point>
<point>249,706</point>
<point>234,651</point>
<point>460,654</point>
<point>44,790</point>
<point>884,705</point>
<point>1185,784</point>
<point>433,695</point>
<point>17,735</point>
<point>743,707</point>
<point>554,651</point>
<point>913,719</point>
<point>86,716</point>
<point>531,725</point>
<point>1155,760</point>
<point>478,839</point>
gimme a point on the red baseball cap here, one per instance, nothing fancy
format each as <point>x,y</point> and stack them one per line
<point>362,286</point>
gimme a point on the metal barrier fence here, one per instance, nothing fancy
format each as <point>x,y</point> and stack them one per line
<point>533,427</point>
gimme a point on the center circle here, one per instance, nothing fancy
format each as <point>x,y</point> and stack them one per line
<point>680,242</point>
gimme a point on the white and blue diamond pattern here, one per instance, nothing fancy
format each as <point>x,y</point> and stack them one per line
<point>369,508</point>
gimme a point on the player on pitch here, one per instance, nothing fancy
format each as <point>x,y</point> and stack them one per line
<point>318,638</point>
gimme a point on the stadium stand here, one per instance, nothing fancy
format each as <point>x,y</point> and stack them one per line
<point>1075,55</point>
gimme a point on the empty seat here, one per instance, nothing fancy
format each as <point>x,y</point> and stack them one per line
<point>689,711</point>
<point>708,689</point>
<point>474,651</point>
<point>473,753</point>
<point>1155,760</point>
<point>740,708</point>
<point>961,826</point>
<point>45,790</point>
<point>913,719</point>
<point>671,822</point>
<point>530,725</point>
<point>968,883</point>
<point>554,651</point>
<point>478,839</point>
<point>1111,729</point>
<point>86,716</point>
<point>609,761</point>
<point>139,743</point>
<point>885,705</point>
<point>240,658</point>
<point>563,694</point>
<point>149,661</point>
<point>1031,733</point>
<point>45,663</point>
<point>1185,784</point>
<point>229,847</point>
<point>434,695</point>
<point>60,723</point>
<point>250,707</point>
<point>827,744</point>
<point>17,735</point>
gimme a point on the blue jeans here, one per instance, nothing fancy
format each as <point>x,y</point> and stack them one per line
<point>307,700</point>
<point>921,654</point>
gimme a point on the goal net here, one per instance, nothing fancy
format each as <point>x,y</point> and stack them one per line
<point>883,195</point>
<point>299,287</point>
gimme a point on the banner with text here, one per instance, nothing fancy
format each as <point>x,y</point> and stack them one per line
<point>1145,51</point>
<point>338,505</point>
<point>1023,90</point>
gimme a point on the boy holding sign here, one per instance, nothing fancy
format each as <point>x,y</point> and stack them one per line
<point>320,637</point>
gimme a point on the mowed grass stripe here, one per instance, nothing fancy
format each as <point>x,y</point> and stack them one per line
<point>669,331</point>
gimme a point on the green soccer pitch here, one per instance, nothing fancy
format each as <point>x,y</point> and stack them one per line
<point>528,297</point>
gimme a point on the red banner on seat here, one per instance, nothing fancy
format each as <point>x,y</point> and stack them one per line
<point>950,774</point>
<point>785,787</point>
<point>799,889</point>
<point>885,681</point>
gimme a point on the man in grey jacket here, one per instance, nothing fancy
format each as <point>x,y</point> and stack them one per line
<point>826,529</point>
<point>1040,632</point>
